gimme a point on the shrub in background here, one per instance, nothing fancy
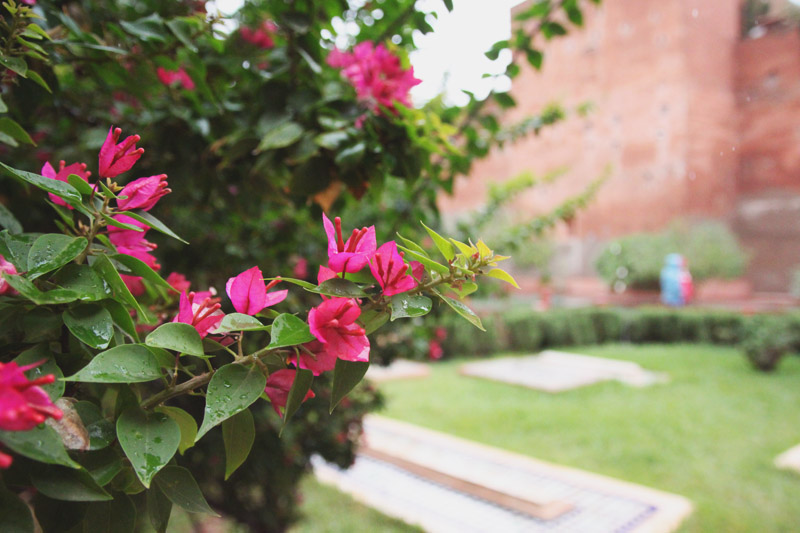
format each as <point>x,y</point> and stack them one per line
<point>636,260</point>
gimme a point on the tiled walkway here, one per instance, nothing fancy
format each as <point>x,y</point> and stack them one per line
<point>593,503</point>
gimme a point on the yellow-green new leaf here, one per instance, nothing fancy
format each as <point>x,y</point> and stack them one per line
<point>503,275</point>
<point>466,250</point>
<point>441,243</point>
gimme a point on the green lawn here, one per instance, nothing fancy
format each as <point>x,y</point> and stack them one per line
<point>710,434</point>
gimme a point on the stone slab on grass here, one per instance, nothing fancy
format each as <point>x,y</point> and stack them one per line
<point>398,369</point>
<point>554,371</point>
<point>789,460</point>
<point>589,502</point>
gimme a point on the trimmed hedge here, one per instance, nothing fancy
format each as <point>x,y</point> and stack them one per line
<point>526,330</point>
<point>764,339</point>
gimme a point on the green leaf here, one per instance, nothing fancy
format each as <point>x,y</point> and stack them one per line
<point>111,221</point>
<point>41,443</point>
<point>149,28</point>
<point>15,131</point>
<point>340,288</point>
<point>137,267</point>
<point>100,430</point>
<point>332,139</point>
<point>82,280</point>
<point>15,64</point>
<point>412,245</point>
<point>153,222</point>
<point>185,421</point>
<point>503,275</point>
<point>298,282</point>
<point>149,440</point>
<point>441,243</point>
<point>29,291</point>
<point>239,322</point>
<point>463,310</point>
<point>15,248</point>
<point>107,271</point>
<point>182,29</point>
<point>428,262</point>
<point>116,516</point>
<point>232,389</point>
<point>351,155</point>
<point>122,318</point>
<point>80,185</point>
<point>371,320</point>
<point>504,99</point>
<point>68,484</point>
<point>9,221</point>
<point>52,251</point>
<point>128,363</point>
<point>179,486</point>
<point>42,354</point>
<point>288,330</point>
<point>346,375</point>
<point>238,434</point>
<point>3,106</point>
<point>280,136</point>
<point>405,305</point>
<point>300,387</point>
<point>465,289</point>
<point>177,336</point>
<point>59,188</point>
<point>91,324</point>
<point>158,509</point>
<point>15,515</point>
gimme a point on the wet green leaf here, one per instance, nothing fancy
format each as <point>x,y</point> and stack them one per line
<point>238,435</point>
<point>52,251</point>
<point>186,422</point>
<point>91,324</point>
<point>232,389</point>
<point>177,336</point>
<point>239,322</point>
<point>108,272</point>
<point>41,444</point>
<point>464,311</point>
<point>128,363</point>
<point>300,387</point>
<point>405,305</point>
<point>59,188</point>
<point>340,288</point>
<point>346,375</point>
<point>179,486</point>
<point>149,440</point>
<point>288,330</point>
<point>42,354</point>
<point>68,484</point>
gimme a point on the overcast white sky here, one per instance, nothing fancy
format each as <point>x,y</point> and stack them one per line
<point>451,58</point>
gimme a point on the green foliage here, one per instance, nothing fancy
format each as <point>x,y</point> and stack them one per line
<point>710,249</point>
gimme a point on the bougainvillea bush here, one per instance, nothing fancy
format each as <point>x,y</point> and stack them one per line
<point>89,410</point>
<point>262,120</point>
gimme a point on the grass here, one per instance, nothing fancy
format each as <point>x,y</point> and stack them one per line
<point>710,434</point>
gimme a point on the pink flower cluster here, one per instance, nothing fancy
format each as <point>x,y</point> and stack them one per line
<point>376,74</point>
<point>175,77</point>
<point>6,267</point>
<point>115,158</point>
<point>262,36</point>
<point>23,403</point>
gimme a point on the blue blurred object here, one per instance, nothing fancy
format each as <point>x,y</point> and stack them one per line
<point>671,293</point>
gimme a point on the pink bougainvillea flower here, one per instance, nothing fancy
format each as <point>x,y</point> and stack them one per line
<point>315,357</point>
<point>278,386</point>
<point>376,75</point>
<point>418,271</point>
<point>143,193</point>
<point>118,157</point>
<point>133,243</point>
<point>435,351</point>
<point>262,36</point>
<point>333,323</point>
<point>178,282</point>
<point>175,77</point>
<point>350,256</point>
<point>5,460</point>
<point>248,292</point>
<point>202,313</point>
<point>6,267</point>
<point>64,170</point>
<point>23,403</point>
<point>134,284</point>
<point>388,267</point>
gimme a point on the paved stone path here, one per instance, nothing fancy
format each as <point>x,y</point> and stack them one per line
<point>594,504</point>
<point>554,371</point>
